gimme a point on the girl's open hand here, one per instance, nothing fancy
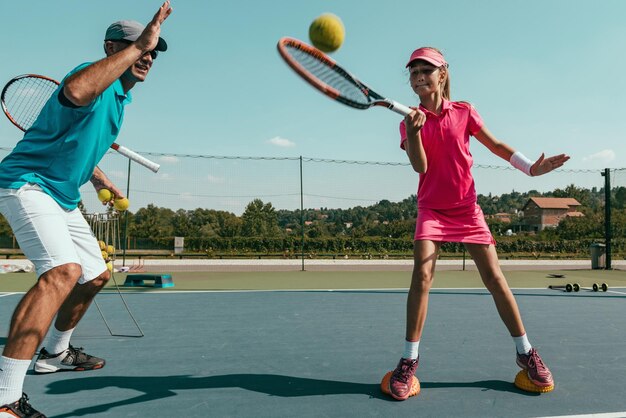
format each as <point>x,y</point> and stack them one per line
<point>545,165</point>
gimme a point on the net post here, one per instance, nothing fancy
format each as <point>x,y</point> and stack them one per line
<point>125,242</point>
<point>301,215</point>
<point>607,217</point>
<point>464,258</point>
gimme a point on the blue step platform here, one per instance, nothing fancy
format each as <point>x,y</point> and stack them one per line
<point>159,280</point>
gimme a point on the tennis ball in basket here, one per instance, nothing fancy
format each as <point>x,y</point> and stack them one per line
<point>105,195</point>
<point>327,32</point>
<point>121,204</point>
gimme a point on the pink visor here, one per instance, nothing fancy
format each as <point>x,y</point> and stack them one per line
<point>429,55</point>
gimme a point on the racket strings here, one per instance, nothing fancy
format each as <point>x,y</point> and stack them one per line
<point>25,98</point>
<point>332,76</point>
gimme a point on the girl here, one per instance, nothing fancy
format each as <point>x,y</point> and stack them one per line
<point>435,137</point>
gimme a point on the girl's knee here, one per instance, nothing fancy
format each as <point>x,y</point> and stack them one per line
<point>496,283</point>
<point>421,280</point>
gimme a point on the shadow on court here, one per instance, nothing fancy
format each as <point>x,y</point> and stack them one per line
<point>159,387</point>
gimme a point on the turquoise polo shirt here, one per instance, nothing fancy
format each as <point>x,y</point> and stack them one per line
<point>64,145</point>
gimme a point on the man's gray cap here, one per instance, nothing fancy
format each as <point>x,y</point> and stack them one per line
<point>130,30</point>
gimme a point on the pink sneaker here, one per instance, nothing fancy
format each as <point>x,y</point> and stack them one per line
<point>402,378</point>
<point>538,373</point>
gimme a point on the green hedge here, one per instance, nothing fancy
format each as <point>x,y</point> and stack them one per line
<point>372,245</point>
<point>509,246</point>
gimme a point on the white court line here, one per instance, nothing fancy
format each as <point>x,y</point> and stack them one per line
<point>382,289</point>
<point>390,289</point>
<point>605,415</point>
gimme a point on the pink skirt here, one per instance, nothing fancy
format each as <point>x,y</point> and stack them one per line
<point>464,224</point>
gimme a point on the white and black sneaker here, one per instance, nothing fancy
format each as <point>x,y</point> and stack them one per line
<point>72,359</point>
<point>20,409</point>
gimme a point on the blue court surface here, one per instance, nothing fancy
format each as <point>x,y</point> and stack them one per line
<point>323,353</point>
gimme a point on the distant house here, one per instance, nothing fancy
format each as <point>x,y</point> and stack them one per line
<point>501,216</point>
<point>547,212</point>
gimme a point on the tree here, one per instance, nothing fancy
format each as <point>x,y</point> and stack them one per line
<point>5,228</point>
<point>260,219</point>
<point>620,198</point>
<point>154,223</point>
<point>182,225</point>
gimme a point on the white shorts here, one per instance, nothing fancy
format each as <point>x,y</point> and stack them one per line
<point>49,235</point>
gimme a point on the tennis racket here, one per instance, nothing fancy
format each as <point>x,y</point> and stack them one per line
<point>323,73</point>
<point>24,96</point>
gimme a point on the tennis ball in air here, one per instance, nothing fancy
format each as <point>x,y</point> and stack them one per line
<point>105,195</point>
<point>121,204</point>
<point>327,32</point>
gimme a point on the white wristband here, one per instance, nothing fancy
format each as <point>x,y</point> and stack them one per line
<point>519,161</point>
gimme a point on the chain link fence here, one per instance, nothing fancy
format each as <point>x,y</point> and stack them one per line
<point>336,208</point>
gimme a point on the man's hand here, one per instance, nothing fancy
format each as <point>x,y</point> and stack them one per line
<point>149,38</point>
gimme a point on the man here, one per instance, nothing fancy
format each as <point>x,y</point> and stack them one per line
<point>39,194</point>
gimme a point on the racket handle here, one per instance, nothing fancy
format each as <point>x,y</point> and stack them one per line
<point>400,108</point>
<point>132,155</point>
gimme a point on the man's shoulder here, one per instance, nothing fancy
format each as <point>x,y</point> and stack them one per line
<point>77,69</point>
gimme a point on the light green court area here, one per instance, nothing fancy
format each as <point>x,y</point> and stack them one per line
<point>322,280</point>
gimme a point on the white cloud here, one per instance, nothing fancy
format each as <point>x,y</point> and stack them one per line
<point>169,159</point>
<point>281,142</point>
<point>215,180</point>
<point>603,156</point>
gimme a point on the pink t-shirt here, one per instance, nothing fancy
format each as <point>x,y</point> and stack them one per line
<point>447,182</point>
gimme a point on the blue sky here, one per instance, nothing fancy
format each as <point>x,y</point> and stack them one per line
<point>546,76</point>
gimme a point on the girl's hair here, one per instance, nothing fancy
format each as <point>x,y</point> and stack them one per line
<point>445,89</point>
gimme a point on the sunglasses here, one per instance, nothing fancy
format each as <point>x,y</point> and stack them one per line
<point>154,53</point>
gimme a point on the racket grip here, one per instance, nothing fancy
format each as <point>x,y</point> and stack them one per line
<point>400,108</point>
<point>132,155</point>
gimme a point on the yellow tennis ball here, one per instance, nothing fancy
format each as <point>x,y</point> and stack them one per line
<point>110,266</point>
<point>110,249</point>
<point>121,204</point>
<point>102,245</point>
<point>105,255</point>
<point>327,32</point>
<point>105,195</point>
